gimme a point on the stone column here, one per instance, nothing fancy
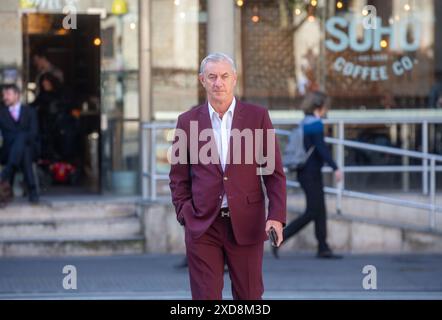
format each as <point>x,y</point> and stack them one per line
<point>221,26</point>
<point>145,89</point>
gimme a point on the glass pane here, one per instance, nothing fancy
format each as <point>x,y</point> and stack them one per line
<point>11,43</point>
<point>121,157</point>
<point>175,54</point>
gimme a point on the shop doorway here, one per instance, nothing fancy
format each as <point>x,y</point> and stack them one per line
<point>61,75</point>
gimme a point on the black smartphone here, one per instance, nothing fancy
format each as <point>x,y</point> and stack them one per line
<point>273,237</point>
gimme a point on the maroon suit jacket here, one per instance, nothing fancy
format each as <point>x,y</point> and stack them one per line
<point>197,189</point>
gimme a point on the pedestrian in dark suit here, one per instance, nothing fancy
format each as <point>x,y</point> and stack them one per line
<point>222,204</point>
<point>19,129</point>
<point>315,106</point>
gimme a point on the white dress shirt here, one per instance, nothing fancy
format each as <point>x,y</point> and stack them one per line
<point>221,131</point>
<point>15,111</point>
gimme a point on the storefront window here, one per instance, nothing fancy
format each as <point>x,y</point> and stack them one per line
<point>92,48</point>
<point>120,89</point>
<point>176,43</point>
<point>383,56</point>
<point>296,46</point>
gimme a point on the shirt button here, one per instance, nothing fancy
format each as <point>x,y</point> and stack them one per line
<point>220,197</point>
<point>225,178</point>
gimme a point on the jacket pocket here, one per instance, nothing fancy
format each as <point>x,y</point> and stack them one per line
<point>255,197</point>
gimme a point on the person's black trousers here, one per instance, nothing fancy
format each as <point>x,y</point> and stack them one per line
<point>20,157</point>
<point>312,185</point>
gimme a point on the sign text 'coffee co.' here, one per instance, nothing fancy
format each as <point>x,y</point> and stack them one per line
<point>372,45</point>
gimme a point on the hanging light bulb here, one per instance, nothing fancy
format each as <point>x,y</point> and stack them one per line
<point>119,7</point>
<point>255,16</point>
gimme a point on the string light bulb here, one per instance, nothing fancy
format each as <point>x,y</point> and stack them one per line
<point>255,16</point>
<point>97,42</point>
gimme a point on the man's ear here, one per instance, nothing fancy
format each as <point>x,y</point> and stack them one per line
<point>201,78</point>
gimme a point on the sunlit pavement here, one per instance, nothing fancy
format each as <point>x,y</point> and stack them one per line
<point>294,276</point>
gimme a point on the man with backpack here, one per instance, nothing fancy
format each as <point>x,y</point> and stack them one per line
<point>306,153</point>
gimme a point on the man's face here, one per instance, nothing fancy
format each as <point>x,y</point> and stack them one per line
<point>10,97</point>
<point>322,112</point>
<point>219,80</point>
<point>47,85</point>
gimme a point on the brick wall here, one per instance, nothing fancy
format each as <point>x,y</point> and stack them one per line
<point>268,59</point>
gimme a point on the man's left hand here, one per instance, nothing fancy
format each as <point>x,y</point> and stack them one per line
<point>278,228</point>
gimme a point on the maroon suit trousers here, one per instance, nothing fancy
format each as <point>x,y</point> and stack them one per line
<point>207,255</point>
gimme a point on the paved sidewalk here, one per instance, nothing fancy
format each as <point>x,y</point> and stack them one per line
<point>299,276</point>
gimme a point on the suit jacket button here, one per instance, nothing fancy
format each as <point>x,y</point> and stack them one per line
<point>225,178</point>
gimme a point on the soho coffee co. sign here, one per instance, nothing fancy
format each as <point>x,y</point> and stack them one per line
<point>369,61</point>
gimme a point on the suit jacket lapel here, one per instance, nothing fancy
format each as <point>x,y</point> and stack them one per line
<point>22,115</point>
<point>7,116</point>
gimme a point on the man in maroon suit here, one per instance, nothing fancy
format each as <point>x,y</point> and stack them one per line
<point>216,183</point>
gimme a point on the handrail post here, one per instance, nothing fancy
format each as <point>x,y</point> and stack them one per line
<point>425,161</point>
<point>341,164</point>
<point>153,164</point>
<point>145,162</point>
<point>433,193</point>
<point>405,159</point>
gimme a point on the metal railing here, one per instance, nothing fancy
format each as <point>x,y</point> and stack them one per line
<point>427,168</point>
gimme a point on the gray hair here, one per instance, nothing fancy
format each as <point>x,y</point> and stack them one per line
<point>216,57</point>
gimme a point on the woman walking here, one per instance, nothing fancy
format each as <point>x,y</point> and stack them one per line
<point>315,107</point>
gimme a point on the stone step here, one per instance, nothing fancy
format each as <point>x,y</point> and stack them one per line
<point>70,227</point>
<point>15,230</point>
<point>17,212</point>
<point>72,246</point>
